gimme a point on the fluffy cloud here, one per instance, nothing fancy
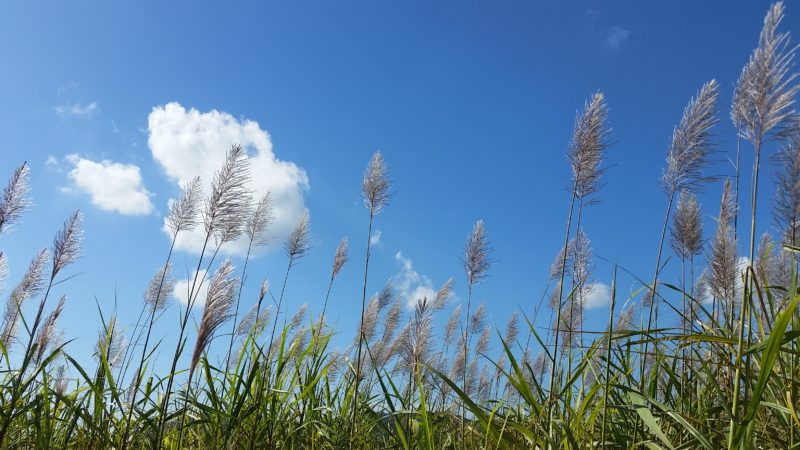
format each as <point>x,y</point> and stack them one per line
<point>181,291</point>
<point>375,238</point>
<point>598,297</point>
<point>187,143</point>
<point>616,38</point>
<point>77,110</point>
<point>111,186</point>
<point>410,284</point>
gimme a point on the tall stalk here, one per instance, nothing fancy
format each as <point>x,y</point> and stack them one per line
<point>375,190</point>
<point>476,264</point>
<point>151,319</point>
<point>296,247</point>
<point>66,249</point>
<point>762,107</point>
<point>224,218</point>
<point>608,358</point>
<point>590,138</point>
<point>554,370</point>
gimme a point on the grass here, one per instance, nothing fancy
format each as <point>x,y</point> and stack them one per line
<point>723,373</point>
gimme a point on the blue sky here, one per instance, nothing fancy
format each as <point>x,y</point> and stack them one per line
<point>471,103</point>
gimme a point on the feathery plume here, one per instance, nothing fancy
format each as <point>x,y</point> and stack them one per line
<point>443,295</point>
<point>728,207</point>
<point>786,209</point>
<point>765,261</point>
<point>260,219</point>
<point>390,323</point>
<point>184,212</point>
<point>459,362</point>
<point>111,343</point>
<point>417,342</point>
<point>784,265</point>
<point>370,322</point>
<point>398,346</point>
<point>478,319</point>
<point>337,360</point>
<point>15,199</point>
<point>483,342</point>
<point>471,383</point>
<point>387,295</point>
<point>501,367</point>
<point>589,140</point>
<point>30,285</point>
<point>60,385</point>
<point>571,320</point>
<point>66,245</point>
<point>555,297</point>
<point>221,291</point>
<point>687,227</point>
<point>226,208</point>
<point>540,364</point>
<point>297,244</point>
<point>452,324</point>
<point>722,258</point>
<point>3,270</point>
<point>476,254</point>
<point>299,341</point>
<point>556,266</point>
<point>340,258</point>
<point>580,250</point>
<point>47,333</point>
<point>160,289</point>
<point>512,329</point>
<point>764,95</point>
<point>298,317</point>
<point>253,321</point>
<point>691,142</point>
<point>376,184</point>
<point>484,385</point>
<point>625,320</point>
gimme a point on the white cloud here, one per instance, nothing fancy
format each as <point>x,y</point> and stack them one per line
<point>114,127</point>
<point>598,297</point>
<point>77,110</point>
<point>616,38</point>
<point>410,284</point>
<point>375,238</point>
<point>67,88</point>
<point>181,291</point>
<point>187,143</point>
<point>52,163</point>
<point>111,186</point>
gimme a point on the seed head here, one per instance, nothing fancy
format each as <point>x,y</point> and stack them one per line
<point>376,184</point>
<point>476,259</point>
<point>691,142</point>
<point>184,213</point>
<point>15,198</point>
<point>340,258</point>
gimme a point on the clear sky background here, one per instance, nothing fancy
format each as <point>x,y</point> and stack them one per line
<point>472,104</point>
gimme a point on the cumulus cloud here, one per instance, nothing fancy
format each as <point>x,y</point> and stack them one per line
<point>411,285</point>
<point>111,186</point>
<point>52,163</point>
<point>598,297</point>
<point>375,238</point>
<point>616,38</point>
<point>77,110</point>
<point>187,143</point>
<point>181,291</point>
